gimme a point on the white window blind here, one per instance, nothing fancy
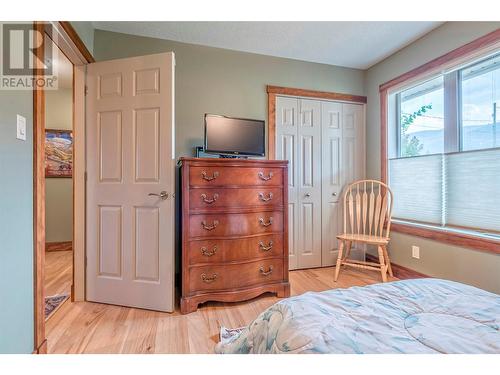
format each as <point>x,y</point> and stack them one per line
<point>472,194</point>
<point>417,184</point>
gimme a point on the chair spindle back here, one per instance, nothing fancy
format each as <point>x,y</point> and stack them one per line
<point>367,208</point>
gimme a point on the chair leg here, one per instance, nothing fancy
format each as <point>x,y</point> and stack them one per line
<point>387,261</point>
<point>383,267</point>
<point>339,259</point>
<point>348,250</point>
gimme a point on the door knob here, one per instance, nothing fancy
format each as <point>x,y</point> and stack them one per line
<point>307,195</point>
<point>163,195</point>
<point>334,194</point>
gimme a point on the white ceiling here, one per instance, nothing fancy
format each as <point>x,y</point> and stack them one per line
<point>351,44</point>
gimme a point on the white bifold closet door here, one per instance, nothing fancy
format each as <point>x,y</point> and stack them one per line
<point>324,144</point>
<point>343,162</point>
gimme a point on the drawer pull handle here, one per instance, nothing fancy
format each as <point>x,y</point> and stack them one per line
<point>264,224</point>
<point>265,178</point>
<point>209,178</point>
<point>209,201</point>
<point>266,273</point>
<point>263,198</point>
<point>264,247</point>
<point>207,252</point>
<point>208,279</point>
<point>209,227</point>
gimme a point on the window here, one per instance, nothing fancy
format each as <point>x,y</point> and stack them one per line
<point>444,166</point>
<point>480,104</point>
<point>421,119</point>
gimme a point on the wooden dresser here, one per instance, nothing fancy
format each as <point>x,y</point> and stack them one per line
<point>234,230</point>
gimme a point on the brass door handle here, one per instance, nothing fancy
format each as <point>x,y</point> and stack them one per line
<point>163,195</point>
<point>264,224</point>
<point>264,247</point>
<point>209,178</point>
<point>207,252</point>
<point>265,178</point>
<point>209,201</point>
<point>209,227</point>
<point>263,198</point>
<point>266,273</point>
<point>208,279</point>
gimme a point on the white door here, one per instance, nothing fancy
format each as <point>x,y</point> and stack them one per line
<point>286,149</point>
<point>309,184</point>
<point>130,155</point>
<point>331,131</point>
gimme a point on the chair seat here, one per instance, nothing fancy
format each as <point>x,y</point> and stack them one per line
<point>375,240</point>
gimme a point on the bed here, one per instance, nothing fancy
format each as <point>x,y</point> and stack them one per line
<point>411,316</point>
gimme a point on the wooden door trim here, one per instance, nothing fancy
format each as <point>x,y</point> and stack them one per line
<point>40,342</point>
<point>76,40</point>
<point>39,194</point>
<point>278,90</point>
<point>273,91</point>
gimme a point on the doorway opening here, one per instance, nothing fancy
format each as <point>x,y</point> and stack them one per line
<point>70,57</point>
<point>58,275</point>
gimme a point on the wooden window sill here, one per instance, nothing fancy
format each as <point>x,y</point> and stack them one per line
<point>448,237</point>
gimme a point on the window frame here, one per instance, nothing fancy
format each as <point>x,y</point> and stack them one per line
<point>453,61</point>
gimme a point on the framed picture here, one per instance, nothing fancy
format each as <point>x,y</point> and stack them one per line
<point>58,153</point>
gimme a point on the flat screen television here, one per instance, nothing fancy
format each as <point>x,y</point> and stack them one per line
<point>234,136</point>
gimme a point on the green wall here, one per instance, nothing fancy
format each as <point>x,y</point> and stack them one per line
<point>436,259</point>
<point>16,224</point>
<point>219,81</point>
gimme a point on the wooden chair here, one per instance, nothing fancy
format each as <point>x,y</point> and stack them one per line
<point>367,209</point>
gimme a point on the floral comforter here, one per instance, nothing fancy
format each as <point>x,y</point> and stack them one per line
<point>411,316</point>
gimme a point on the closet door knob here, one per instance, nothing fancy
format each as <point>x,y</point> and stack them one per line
<point>307,195</point>
<point>334,194</point>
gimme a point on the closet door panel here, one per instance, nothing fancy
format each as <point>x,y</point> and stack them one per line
<point>353,156</point>
<point>309,189</point>
<point>286,149</point>
<point>331,135</point>
<point>353,153</point>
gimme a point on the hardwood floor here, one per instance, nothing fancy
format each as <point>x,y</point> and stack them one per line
<point>84,327</point>
<point>58,272</point>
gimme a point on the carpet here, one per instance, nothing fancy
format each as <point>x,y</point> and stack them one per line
<point>52,303</point>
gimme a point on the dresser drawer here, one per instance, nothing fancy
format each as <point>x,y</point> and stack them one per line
<point>220,176</point>
<point>226,225</point>
<point>235,276</point>
<point>218,251</point>
<point>242,197</point>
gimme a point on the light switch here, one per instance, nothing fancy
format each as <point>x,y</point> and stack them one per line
<point>21,127</point>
